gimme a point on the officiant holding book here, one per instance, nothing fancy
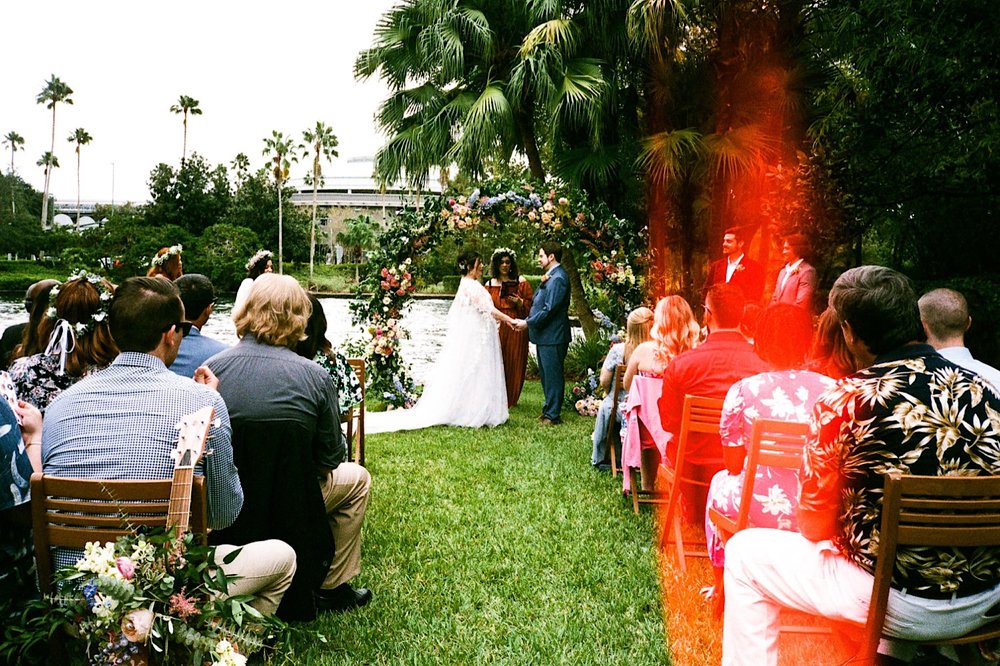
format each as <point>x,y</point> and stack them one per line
<point>511,295</point>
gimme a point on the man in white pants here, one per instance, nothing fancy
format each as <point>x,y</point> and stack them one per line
<point>897,413</point>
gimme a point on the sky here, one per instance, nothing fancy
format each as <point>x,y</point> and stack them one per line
<point>254,67</point>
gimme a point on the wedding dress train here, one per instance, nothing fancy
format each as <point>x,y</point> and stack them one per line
<point>465,386</point>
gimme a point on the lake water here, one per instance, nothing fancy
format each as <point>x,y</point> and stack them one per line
<point>425,320</point>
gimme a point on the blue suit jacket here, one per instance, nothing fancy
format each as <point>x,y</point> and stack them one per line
<point>194,351</point>
<point>548,321</point>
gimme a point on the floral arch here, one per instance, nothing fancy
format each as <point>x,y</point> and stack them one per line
<point>603,253</point>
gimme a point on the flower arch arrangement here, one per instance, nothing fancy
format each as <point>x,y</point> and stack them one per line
<point>612,246</point>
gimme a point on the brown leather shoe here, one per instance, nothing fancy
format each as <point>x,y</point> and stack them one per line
<point>549,422</point>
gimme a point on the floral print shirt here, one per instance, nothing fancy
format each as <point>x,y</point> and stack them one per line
<point>785,395</point>
<point>915,412</point>
<point>349,391</point>
<point>38,381</point>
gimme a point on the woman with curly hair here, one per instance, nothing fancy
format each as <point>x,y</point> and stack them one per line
<point>511,295</point>
<point>167,263</point>
<point>78,340</point>
<point>675,330</point>
<point>256,266</point>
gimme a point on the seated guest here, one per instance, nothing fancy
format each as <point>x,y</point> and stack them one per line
<point>315,346</point>
<point>944,314</point>
<point>786,393</point>
<point>708,371</point>
<point>20,455</point>
<point>12,334</point>
<point>120,423</point>
<point>30,343</point>
<point>291,451</point>
<point>675,330</point>
<point>637,327</point>
<point>79,341</point>
<point>198,296</point>
<point>895,414</point>
<point>830,354</point>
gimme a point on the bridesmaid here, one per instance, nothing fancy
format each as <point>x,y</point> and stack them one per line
<point>512,296</point>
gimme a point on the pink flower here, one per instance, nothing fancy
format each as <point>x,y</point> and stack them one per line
<point>125,567</point>
<point>182,605</point>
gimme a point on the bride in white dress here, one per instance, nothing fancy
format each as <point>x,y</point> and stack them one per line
<point>466,386</point>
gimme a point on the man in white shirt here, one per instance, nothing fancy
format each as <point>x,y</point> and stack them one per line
<point>796,282</point>
<point>945,316</point>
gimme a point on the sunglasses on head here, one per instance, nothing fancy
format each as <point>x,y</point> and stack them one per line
<point>183,326</point>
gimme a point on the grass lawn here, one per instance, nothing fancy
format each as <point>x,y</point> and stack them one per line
<point>498,546</point>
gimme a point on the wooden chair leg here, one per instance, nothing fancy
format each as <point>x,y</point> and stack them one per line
<point>636,487</point>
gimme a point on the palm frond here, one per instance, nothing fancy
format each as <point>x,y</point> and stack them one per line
<point>740,150</point>
<point>560,34</point>
<point>667,154</point>
<point>651,22</point>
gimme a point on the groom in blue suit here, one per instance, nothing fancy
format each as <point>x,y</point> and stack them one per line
<point>548,328</point>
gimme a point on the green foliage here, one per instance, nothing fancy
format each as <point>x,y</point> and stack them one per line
<point>19,275</point>
<point>586,353</point>
<point>358,236</point>
<point>20,208</point>
<point>221,253</point>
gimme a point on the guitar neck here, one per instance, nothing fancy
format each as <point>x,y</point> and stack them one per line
<point>179,509</point>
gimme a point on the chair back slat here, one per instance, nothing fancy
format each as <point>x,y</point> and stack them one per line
<point>69,513</point>
<point>946,511</point>
<point>776,444</point>
<point>356,418</point>
<point>617,387</point>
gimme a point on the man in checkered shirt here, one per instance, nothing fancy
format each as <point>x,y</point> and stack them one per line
<point>119,423</point>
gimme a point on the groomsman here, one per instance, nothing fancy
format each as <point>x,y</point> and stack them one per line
<point>736,268</point>
<point>548,328</point>
<point>796,282</point>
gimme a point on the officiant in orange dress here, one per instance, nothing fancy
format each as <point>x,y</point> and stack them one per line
<point>511,295</point>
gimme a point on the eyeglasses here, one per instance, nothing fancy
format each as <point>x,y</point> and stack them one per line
<point>183,326</point>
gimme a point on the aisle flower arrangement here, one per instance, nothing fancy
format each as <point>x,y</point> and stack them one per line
<point>148,599</point>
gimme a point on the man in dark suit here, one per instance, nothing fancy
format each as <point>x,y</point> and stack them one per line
<point>796,282</point>
<point>548,328</point>
<point>736,268</point>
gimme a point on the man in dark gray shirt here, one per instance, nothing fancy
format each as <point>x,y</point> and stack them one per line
<point>290,450</point>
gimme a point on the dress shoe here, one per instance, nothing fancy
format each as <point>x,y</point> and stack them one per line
<point>550,422</point>
<point>342,598</point>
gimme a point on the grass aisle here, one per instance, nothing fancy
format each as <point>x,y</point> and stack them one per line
<point>499,546</point>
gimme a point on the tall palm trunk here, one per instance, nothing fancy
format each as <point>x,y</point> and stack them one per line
<point>184,146</point>
<point>281,237</point>
<point>312,229</point>
<point>48,170</point>
<point>77,188</point>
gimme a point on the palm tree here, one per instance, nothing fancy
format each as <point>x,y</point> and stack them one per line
<point>322,142</point>
<point>81,138</point>
<point>49,162</point>
<point>14,141</point>
<point>282,152</point>
<point>186,105</point>
<point>55,91</point>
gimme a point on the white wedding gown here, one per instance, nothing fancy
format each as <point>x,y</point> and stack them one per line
<point>466,384</point>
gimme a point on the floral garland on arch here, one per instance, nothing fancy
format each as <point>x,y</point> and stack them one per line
<point>547,211</point>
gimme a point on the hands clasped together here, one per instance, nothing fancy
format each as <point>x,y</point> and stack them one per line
<point>518,324</point>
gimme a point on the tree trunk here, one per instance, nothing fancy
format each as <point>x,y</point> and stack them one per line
<point>184,148</point>
<point>78,188</point>
<point>48,169</point>
<point>312,229</point>
<point>525,127</point>
<point>281,239</point>
<point>579,298</point>
<point>656,189</point>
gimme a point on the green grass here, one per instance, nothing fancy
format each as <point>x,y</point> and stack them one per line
<point>498,546</point>
<point>17,276</point>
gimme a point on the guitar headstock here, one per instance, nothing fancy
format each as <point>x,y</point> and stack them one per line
<point>191,438</point>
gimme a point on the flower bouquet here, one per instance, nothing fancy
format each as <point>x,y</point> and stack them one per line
<point>147,599</point>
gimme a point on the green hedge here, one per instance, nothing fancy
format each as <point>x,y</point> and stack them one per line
<point>19,275</point>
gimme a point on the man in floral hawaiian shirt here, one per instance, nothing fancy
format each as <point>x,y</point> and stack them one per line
<point>909,410</point>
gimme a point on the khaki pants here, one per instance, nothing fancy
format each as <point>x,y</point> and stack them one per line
<point>345,493</point>
<point>265,570</point>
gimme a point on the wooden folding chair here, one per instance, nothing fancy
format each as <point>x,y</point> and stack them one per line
<point>699,415</point>
<point>355,417</point>
<point>617,386</point>
<point>69,513</point>
<point>773,443</point>
<point>950,511</point>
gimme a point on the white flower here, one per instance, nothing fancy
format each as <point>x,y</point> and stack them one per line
<point>386,300</point>
<point>776,502</point>
<point>104,606</point>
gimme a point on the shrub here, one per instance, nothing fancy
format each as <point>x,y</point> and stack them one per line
<point>586,354</point>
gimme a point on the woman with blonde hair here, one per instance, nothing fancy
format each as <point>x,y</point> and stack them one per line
<point>167,263</point>
<point>675,330</point>
<point>79,341</point>
<point>637,328</point>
